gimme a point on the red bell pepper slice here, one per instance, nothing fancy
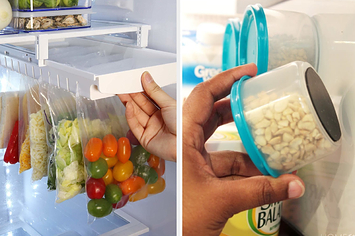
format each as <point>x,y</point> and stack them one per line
<point>11,154</point>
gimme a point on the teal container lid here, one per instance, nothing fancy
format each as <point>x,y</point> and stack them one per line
<point>253,42</point>
<point>230,44</point>
<point>244,132</point>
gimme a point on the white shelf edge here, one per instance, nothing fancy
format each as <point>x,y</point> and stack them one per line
<point>133,228</point>
<point>92,31</point>
<point>17,38</point>
<point>112,83</point>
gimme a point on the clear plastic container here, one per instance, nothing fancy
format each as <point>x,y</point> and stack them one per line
<point>230,44</point>
<point>285,118</point>
<point>49,22</point>
<point>49,5</point>
<point>6,18</point>
<point>272,38</point>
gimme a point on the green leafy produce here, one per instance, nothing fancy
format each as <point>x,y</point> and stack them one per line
<point>36,3</point>
<point>69,160</point>
<point>51,175</point>
<point>69,3</point>
<point>51,3</point>
<point>26,4</point>
<point>23,4</point>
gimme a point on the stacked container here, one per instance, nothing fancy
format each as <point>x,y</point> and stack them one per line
<point>271,38</point>
<point>48,15</point>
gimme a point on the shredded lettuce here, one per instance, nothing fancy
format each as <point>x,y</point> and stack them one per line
<point>69,160</point>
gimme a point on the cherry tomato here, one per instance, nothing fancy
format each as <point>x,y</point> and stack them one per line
<point>109,145</point>
<point>132,185</point>
<point>149,175</point>
<point>99,207</point>
<point>122,171</point>
<point>124,149</point>
<point>132,139</point>
<point>93,149</point>
<point>95,188</point>
<point>98,168</point>
<point>141,194</point>
<point>153,161</point>
<point>139,156</point>
<point>158,187</point>
<point>111,161</point>
<point>122,202</point>
<point>108,177</point>
<point>113,193</point>
<point>161,168</point>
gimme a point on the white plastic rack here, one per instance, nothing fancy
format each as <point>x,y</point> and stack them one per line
<point>30,54</point>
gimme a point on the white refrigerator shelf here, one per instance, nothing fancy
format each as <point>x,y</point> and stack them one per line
<point>98,68</point>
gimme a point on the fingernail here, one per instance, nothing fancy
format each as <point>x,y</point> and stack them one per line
<point>295,189</point>
<point>147,77</point>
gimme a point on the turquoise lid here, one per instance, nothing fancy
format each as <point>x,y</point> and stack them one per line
<point>254,43</point>
<point>230,44</point>
<point>244,132</point>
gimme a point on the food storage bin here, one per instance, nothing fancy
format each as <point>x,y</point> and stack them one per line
<point>272,38</point>
<point>48,21</point>
<point>48,5</point>
<point>6,18</point>
<point>230,44</point>
<point>285,118</point>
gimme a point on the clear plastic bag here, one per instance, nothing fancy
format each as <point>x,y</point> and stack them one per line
<point>67,148</point>
<point>50,138</point>
<point>9,87</point>
<point>24,135</point>
<point>37,131</point>
<point>116,172</point>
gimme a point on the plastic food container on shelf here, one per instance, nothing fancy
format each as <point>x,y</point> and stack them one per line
<point>51,20</point>
<point>6,18</point>
<point>48,5</point>
<point>285,118</point>
<point>272,38</point>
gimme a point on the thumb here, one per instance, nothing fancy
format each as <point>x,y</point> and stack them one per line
<point>153,90</point>
<point>256,191</point>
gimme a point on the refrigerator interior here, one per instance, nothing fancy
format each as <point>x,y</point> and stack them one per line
<point>127,38</point>
<point>326,208</point>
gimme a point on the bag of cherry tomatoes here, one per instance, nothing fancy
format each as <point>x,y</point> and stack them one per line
<point>117,171</point>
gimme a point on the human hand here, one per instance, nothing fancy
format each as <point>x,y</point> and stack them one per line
<point>151,117</point>
<point>218,185</point>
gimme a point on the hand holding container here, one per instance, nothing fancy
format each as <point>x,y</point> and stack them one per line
<point>285,118</point>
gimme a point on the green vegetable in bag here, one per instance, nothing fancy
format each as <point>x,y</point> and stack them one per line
<point>69,160</point>
<point>51,176</point>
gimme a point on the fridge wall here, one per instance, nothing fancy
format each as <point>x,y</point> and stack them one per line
<point>160,14</point>
<point>157,212</point>
<point>328,203</point>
